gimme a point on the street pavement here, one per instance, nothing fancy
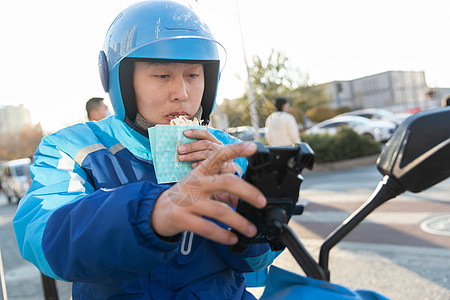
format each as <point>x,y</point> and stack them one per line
<point>23,280</point>
<point>400,251</point>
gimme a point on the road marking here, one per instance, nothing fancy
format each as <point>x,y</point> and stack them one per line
<point>438,225</point>
<point>384,217</point>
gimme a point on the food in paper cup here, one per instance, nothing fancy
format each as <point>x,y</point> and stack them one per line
<point>164,140</point>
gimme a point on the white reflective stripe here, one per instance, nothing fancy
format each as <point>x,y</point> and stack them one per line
<point>81,155</point>
<point>184,250</point>
<point>116,148</point>
<point>65,163</point>
<point>238,169</point>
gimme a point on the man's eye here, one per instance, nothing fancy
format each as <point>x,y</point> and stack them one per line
<point>193,75</point>
<point>164,76</point>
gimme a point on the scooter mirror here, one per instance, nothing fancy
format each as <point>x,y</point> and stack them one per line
<point>418,153</point>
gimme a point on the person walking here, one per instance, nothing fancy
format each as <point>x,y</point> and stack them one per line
<point>446,101</point>
<point>282,128</point>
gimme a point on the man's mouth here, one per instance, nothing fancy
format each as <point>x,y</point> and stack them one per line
<point>176,115</point>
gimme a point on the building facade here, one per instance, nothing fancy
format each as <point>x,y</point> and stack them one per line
<point>396,90</point>
<point>14,119</point>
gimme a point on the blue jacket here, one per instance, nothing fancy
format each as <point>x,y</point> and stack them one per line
<point>86,219</point>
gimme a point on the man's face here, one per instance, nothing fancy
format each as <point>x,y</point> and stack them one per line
<point>167,90</point>
<point>99,112</point>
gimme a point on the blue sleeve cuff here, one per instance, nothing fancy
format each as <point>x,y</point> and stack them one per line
<point>146,235</point>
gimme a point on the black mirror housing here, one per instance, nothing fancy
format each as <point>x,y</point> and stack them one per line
<point>418,153</point>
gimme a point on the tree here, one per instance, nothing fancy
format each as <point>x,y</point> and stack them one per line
<point>24,144</point>
<point>237,111</point>
<point>309,96</point>
<point>274,78</point>
<point>270,79</point>
<point>320,113</point>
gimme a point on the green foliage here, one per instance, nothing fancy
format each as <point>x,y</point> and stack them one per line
<point>346,144</point>
<point>270,79</point>
<point>237,111</point>
<point>309,96</point>
<point>320,113</point>
<point>20,145</point>
<point>298,114</point>
<point>342,109</point>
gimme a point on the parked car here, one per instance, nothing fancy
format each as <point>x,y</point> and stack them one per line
<point>15,178</point>
<point>380,131</point>
<point>379,114</point>
<point>261,133</point>
<point>1,166</point>
<point>244,133</point>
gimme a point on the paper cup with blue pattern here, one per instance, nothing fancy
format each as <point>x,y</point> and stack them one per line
<point>164,140</point>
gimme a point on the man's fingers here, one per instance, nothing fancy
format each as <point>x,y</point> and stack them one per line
<point>191,197</point>
<point>211,231</point>
<point>230,199</point>
<point>195,156</point>
<point>223,213</point>
<point>213,164</point>
<point>235,186</point>
<point>197,146</point>
<point>201,135</point>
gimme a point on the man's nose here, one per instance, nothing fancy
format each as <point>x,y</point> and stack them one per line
<point>179,92</point>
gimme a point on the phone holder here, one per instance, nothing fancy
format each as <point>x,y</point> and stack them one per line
<point>276,172</point>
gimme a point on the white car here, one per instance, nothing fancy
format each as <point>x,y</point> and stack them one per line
<point>244,133</point>
<point>15,178</point>
<point>380,131</point>
<point>379,114</point>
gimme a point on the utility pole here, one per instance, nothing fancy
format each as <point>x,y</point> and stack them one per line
<point>2,278</point>
<point>250,93</point>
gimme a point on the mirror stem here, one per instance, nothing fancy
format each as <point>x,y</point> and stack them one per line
<point>387,189</point>
<point>301,255</point>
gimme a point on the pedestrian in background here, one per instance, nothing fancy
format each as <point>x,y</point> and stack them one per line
<point>96,109</point>
<point>282,128</point>
<point>446,101</point>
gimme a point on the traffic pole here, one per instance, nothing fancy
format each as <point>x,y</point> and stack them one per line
<point>2,277</point>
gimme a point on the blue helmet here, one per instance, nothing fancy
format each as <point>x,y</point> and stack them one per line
<point>155,30</point>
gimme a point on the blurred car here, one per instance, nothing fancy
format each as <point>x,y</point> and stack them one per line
<point>15,178</point>
<point>1,167</point>
<point>244,133</point>
<point>380,131</point>
<point>261,133</point>
<point>379,114</point>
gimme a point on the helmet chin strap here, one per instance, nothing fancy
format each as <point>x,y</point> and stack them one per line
<point>198,114</point>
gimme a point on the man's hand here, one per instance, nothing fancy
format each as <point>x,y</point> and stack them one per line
<point>200,150</point>
<point>187,205</point>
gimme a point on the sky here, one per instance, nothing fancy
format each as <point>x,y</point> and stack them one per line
<point>49,48</point>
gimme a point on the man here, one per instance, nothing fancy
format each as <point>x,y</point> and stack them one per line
<point>282,128</point>
<point>96,109</point>
<point>446,101</point>
<point>94,214</point>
